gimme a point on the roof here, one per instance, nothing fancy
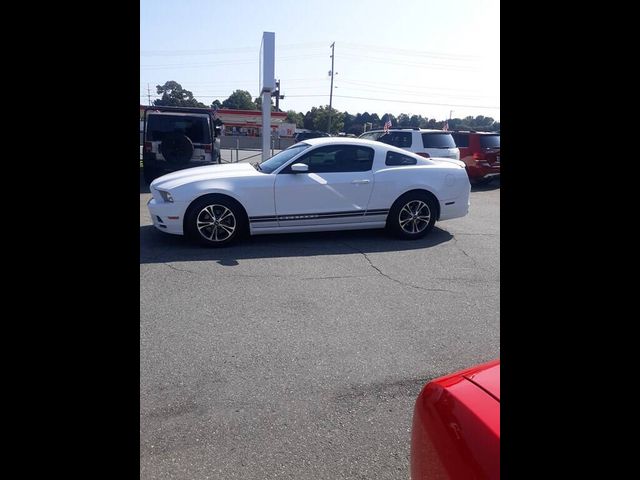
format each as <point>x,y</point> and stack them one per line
<point>409,129</point>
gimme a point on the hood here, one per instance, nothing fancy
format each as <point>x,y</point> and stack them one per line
<point>460,163</point>
<point>487,378</point>
<point>210,172</point>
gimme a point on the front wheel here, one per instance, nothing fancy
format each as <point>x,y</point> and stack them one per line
<point>214,222</point>
<point>412,216</point>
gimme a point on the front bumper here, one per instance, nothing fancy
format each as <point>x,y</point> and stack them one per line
<point>167,217</point>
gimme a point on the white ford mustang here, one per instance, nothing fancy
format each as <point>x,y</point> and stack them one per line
<point>319,184</point>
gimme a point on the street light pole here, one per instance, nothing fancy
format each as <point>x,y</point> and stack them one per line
<point>331,92</point>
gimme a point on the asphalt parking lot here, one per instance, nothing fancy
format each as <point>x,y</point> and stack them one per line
<point>301,355</point>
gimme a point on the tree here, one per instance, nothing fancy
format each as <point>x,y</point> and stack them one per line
<point>239,100</point>
<point>258,104</point>
<point>321,120</point>
<point>295,117</point>
<point>388,116</point>
<point>173,95</point>
<point>309,118</point>
<point>403,120</point>
<point>216,104</point>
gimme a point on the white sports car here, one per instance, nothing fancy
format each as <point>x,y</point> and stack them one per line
<point>315,185</point>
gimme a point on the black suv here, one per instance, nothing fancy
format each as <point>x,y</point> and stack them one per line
<point>177,138</point>
<point>307,135</point>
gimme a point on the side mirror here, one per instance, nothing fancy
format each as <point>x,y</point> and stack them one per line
<point>299,168</point>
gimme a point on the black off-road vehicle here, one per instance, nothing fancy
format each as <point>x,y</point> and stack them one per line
<point>178,137</point>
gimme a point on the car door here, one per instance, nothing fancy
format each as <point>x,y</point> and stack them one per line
<point>335,190</point>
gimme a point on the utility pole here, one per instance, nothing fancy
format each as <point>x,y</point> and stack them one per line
<point>149,94</point>
<point>450,112</point>
<point>276,94</point>
<point>331,92</point>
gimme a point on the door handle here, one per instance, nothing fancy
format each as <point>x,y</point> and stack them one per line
<point>357,182</point>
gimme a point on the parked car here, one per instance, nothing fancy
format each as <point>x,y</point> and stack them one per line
<point>480,151</point>
<point>177,138</point>
<point>299,137</point>
<point>425,142</point>
<point>315,185</point>
<point>456,426</point>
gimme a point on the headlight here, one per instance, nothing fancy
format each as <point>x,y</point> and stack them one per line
<point>166,196</point>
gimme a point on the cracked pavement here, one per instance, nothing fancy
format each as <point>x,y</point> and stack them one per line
<point>301,355</point>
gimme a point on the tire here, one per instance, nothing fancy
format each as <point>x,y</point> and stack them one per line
<point>150,174</point>
<point>177,149</point>
<point>412,216</point>
<point>215,221</point>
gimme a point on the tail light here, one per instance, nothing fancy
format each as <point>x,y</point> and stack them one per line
<point>478,156</point>
<point>147,146</point>
<point>207,148</point>
<point>424,154</point>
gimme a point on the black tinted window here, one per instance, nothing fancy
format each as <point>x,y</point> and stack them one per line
<point>337,158</point>
<point>438,140</point>
<point>461,139</point>
<point>196,128</point>
<point>397,139</point>
<point>394,158</point>
<point>490,141</point>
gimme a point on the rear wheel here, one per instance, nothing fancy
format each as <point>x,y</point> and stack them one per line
<point>215,221</point>
<point>412,216</point>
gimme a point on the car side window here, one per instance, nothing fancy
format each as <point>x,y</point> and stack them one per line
<point>371,136</point>
<point>337,158</point>
<point>397,139</point>
<point>461,139</point>
<point>394,158</point>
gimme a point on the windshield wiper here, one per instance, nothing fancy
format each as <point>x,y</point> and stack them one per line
<point>257,166</point>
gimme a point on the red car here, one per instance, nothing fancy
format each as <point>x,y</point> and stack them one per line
<point>456,426</point>
<point>480,151</point>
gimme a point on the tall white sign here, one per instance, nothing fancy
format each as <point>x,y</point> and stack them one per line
<point>267,85</point>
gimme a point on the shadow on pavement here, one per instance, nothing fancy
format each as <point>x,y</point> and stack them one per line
<point>159,247</point>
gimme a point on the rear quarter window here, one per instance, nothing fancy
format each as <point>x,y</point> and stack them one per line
<point>394,158</point>
<point>438,140</point>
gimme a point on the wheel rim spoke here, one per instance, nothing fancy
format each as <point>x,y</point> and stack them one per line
<point>414,216</point>
<point>210,225</point>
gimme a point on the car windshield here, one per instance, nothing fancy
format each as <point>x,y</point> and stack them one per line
<point>490,141</point>
<point>283,157</point>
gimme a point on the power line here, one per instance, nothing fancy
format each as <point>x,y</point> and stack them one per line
<point>222,51</point>
<point>402,101</point>
<point>223,63</point>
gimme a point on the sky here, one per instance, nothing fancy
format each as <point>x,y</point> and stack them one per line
<point>432,58</point>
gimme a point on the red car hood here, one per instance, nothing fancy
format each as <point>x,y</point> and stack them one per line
<point>487,377</point>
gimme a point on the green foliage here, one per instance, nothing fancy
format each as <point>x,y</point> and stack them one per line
<point>321,120</point>
<point>295,117</point>
<point>173,95</point>
<point>258,104</point>
<point>318,117</point>
<point>239,100</point>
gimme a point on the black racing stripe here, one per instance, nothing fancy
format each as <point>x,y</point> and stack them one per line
<point>377,212</point>
<point>259,220</point>
<point>317,216</point>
